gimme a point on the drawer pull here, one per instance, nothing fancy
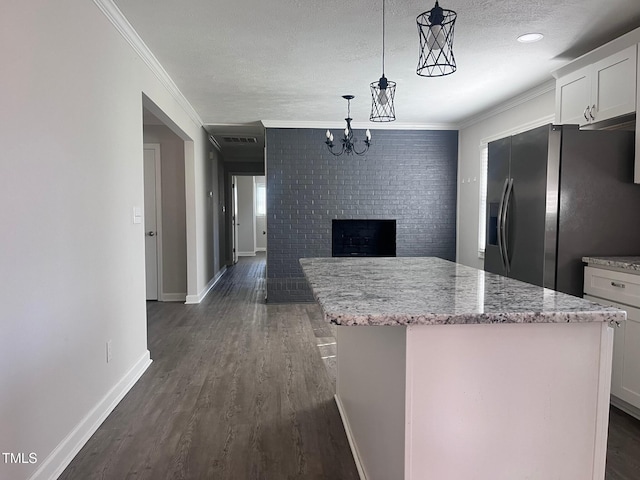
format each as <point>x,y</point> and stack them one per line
<point>618,284</point>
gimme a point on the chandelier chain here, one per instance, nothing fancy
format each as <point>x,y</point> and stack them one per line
<point>382,37</point>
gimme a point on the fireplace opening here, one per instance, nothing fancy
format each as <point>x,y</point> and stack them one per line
<point>363,238</point>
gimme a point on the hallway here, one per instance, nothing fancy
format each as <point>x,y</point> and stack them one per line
<point>237,390</point>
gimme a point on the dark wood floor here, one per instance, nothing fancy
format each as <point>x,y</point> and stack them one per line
<point>623,449</point>
<point>238,390</point>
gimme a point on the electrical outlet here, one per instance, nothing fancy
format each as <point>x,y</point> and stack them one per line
<point>109,352</point>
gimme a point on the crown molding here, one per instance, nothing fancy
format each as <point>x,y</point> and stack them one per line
<point>115,16</point>
<point>524,97</point>
<point>358,125</point>
<point>519,129</point>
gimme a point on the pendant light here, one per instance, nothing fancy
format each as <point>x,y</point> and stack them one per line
<point>435,28</point>
<point>383,92</point>
<point>348,140</point>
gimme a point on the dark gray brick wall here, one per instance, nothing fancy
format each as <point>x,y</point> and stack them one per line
<point>407,175</point>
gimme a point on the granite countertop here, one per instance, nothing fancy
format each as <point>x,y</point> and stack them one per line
<point>627,263</point>
<point>432,291</point>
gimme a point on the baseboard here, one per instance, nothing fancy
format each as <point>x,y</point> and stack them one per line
<point>174,297</point>
<point>625,407</point>
<point>194,299</point>
<point>67,449</point>
<point>352,442</point>
<point>246,254</point>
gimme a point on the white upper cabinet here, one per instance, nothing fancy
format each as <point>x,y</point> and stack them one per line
<point>600,91</point>
<point>573,97</point>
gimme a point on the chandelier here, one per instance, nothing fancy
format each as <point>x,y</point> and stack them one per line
<point>435,28</point>
<point>383,92</point>
<point>348,140</point>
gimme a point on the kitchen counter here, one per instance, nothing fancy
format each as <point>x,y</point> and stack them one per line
<point>624,263</point>
<point>448,372</point>
<point>432,291</point>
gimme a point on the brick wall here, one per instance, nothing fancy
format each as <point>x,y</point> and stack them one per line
<point>407,175</point>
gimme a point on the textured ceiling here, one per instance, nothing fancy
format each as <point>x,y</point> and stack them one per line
<point>243,61</point>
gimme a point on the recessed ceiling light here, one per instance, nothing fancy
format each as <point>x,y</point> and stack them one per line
<point>530,37</point>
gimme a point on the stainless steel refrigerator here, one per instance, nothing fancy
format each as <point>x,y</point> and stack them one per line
<point>556,194</point>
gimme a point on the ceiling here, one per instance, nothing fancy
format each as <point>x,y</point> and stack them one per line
<point>285,61</point>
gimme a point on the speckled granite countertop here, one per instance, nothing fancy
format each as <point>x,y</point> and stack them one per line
<point>432,291</point>
<point>628,263</point>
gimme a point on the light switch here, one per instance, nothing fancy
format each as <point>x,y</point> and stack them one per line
<point>137,215</point>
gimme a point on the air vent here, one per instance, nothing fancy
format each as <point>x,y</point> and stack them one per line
<point>240,140</point>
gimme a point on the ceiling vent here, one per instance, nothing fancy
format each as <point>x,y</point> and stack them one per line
<point>240,140</point>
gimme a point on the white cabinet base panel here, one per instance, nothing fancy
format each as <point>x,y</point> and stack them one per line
<point>487,402</point>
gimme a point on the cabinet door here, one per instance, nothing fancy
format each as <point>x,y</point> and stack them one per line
<point>625,374</point>
<point>573,96</point>
<point>618,347</point>
<point>613,87</point>
<point>630,378</point>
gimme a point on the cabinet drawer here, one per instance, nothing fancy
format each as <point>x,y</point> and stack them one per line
<point>617,286</point>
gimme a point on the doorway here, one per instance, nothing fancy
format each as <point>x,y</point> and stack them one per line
<point>249,215</point>
<point>165,209</point>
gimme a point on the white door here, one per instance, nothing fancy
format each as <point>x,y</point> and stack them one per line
<point>151,215</point>
<point>234,217</point>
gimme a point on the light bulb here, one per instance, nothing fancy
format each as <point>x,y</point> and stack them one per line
<point>346,132</point>
<point>368,134</point>
<point>328,134</point>
<point>383,97</point>
<point>435,37</point>
<point>331,138</point>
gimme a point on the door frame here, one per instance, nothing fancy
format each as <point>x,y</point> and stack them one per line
<point>158,164</point>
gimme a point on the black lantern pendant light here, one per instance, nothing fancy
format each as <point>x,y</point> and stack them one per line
<point>348,140</point>
<point>435,28</point>
<point>383,92</point>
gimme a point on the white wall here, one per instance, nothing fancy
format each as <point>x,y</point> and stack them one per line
<point>245,216</point>
<point>71,259</point>
<point>174,237</point>
<point>513,117</point>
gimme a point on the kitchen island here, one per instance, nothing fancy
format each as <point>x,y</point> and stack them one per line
<point>451,373</point>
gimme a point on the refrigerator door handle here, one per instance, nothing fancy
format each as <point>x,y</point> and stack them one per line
<point>501,222</point>
<point>505,246</point>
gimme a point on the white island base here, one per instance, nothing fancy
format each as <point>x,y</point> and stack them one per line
<point>476,402</point>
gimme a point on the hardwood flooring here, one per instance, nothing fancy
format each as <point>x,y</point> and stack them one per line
<point>238,391</point>
<point>623,448</point>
